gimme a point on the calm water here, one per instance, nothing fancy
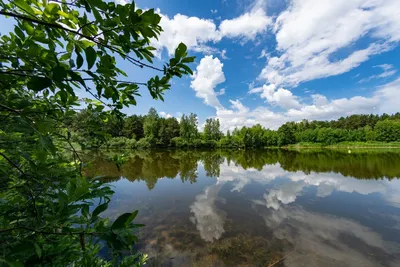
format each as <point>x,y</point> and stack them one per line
<point>264,208</point>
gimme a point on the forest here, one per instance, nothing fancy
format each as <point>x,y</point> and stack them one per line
<point>152,131</point>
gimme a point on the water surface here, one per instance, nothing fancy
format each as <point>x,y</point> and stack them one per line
<point>261,208</point>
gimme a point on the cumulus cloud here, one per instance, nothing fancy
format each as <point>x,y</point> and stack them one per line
<point>383,100</point>
<point>121,2</point>
<point>165,115</point>
<point>247,25</point>
<point>239,115</point>
<point>310,32</point>
<point>198,33</point>
<point>207,76</point>
<point>281,97</point>
<point>193,31</point>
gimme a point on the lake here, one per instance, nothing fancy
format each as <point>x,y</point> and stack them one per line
<point>261,208</point>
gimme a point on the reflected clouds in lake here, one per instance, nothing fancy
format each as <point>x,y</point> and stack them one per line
<point>326,240</point>
<point>208,218</point>
<point>256,208</point>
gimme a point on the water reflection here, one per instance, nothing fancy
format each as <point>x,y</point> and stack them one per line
<point>275,207</point>
<point>207,217</point>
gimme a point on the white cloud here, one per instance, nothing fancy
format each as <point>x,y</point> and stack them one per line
<point>165,115</point>
<point>319,100</point>
<point>247,25</point>
<point>387,71</point>
<point>207,76</point>
<point>214,11</point>
<point>221,92</point>
<point>281,97</point>
<point>239,116</point>
<point>263,54</point>
<point>196,32</point>
<point>383,100</point>
<point>192,31</point>
<point>121,2</point>
<point>389,95</point>
<point>223,54</point>
<point>335,108</point>
<point>310,33</point>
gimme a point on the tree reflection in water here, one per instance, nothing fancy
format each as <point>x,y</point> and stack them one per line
<point>259,208</point>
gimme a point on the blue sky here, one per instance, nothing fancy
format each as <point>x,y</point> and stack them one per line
<point>272,61</point>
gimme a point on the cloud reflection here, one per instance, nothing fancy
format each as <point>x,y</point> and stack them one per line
<point>208,219</point>
<point>319,239</point>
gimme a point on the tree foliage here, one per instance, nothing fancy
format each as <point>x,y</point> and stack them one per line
<point>59,50</point>
<point>171,133</point>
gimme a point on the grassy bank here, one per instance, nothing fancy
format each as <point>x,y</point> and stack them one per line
<point>343,145</point>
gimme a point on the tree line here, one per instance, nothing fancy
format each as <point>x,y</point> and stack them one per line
<point>152,130</point>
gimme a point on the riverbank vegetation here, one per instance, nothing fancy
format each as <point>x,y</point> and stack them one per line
<point>61,55</point>
<point>153,131</point>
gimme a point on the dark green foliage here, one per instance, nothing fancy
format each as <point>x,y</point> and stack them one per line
<point>133,127</point>
<point>162,132</point>
<point>387,130</point>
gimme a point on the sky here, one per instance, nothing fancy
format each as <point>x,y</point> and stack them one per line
<point>273,61</point>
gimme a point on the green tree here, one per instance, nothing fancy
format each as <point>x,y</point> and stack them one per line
<point>169,129</point>
<point>212,129</point>
<point>133,127</point>
<point>188,127</point>
<point>151,125</point>
<point>387,130</point>
<point>286,134</point>
<point>51,213</point>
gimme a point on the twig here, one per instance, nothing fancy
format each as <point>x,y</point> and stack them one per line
<point>69,80</point>
<point>12,163</point>
<point>131,59</point>
<point>46,233</point>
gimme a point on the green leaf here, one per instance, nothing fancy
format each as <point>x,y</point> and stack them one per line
<point>85,211</point>
<point>62,199</point>
<point>188,59</point>
<point>70,189</point>
<point>38,250</point>
<point>99,209</point>
<point>38,83</point>
<point>19,32</point>
<point>59,74</point>
<point>52,8</point>
<point>180,51</point>
<point>24,6</point>
<point>124,220</point>
<point>79,60</point>
<point>15,264</point>
<point>76,77</point>
<point>90,56</point>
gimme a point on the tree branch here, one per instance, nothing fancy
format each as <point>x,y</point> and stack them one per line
<point>69,80</point>
<point>12,163</point>
<point>131,59</point>
<point>47,233</point>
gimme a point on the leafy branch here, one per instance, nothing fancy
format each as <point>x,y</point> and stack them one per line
<point>54,25</point>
